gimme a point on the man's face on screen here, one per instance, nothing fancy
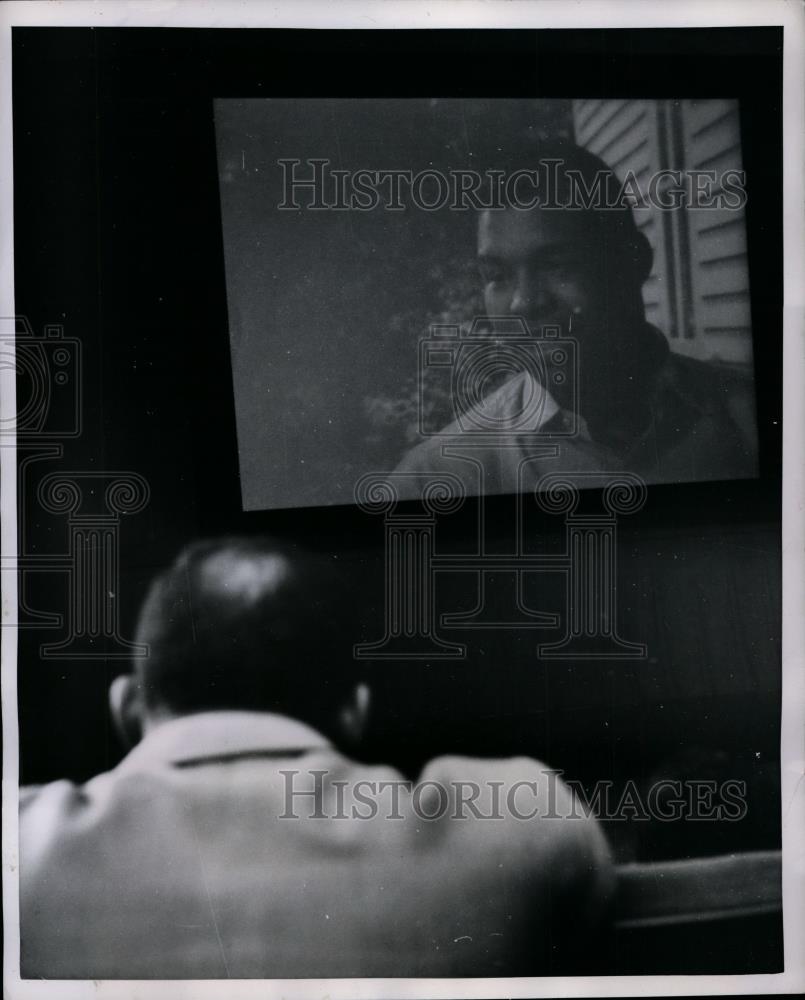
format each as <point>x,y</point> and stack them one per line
<point>549,267</point>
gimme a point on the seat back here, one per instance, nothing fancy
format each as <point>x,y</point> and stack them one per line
<point>718,915</point>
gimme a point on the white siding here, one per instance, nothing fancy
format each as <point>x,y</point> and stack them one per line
<point>718,236</point>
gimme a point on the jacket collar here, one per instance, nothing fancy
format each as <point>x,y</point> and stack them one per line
<point>215,735</point>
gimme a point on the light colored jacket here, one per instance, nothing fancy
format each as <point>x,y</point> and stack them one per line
<point>201,856</point>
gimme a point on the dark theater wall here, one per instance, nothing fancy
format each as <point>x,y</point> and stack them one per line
<point>118,238</point>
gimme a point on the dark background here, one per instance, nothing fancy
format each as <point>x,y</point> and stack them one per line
<point>118,238</point>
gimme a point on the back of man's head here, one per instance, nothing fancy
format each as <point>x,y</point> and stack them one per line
<point>245,624</point>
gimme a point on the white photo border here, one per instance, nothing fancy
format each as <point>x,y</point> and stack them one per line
<point>494,14</point>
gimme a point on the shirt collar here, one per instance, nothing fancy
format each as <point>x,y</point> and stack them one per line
<point>206,735</point>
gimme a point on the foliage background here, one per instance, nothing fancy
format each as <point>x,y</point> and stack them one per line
<point>327,308</point>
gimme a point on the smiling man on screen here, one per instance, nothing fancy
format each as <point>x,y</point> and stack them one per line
<point>573,262</point>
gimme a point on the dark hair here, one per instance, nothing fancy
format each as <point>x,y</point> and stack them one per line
<point>567,172</point>
<point>249,624</point>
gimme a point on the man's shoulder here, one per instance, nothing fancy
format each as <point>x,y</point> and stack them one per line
<point>518,806</point>
<point>66,820</point>
<point>459,764</point>
<point>721,393</point>
<point>518,785</point>
<point>712,381</point>
<point>61,805</point>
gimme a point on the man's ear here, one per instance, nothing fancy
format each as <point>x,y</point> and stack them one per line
<point>354,715</point>
<point>125,704</point>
